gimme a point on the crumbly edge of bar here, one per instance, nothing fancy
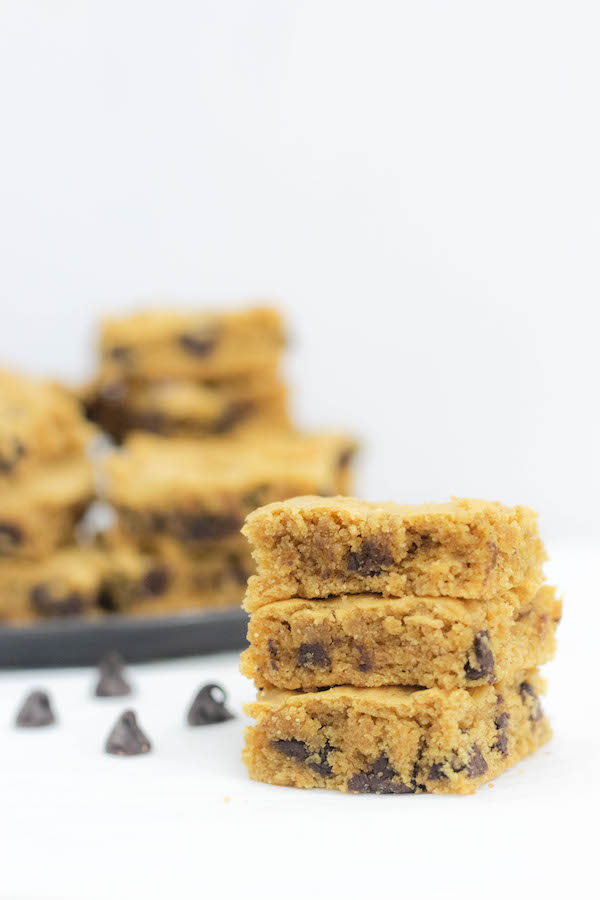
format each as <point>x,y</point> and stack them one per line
<point>301,554</point>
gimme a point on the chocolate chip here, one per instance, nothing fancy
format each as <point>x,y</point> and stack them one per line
<point>298,750</point>
<point>233,415</point>
<point>112,681</point>
<point>492,564</point>
<point>313,655</point>
<point>208,709</point>
<point>484,659</point>
<point>47,604</point>
<point>36,711</point>
<point>346,457</point>
<point>476,765</point>
<point>292,748</point>
<point>322,767</point>
<point>237,571</point>
<point>436,772</point>
<point>531,700</point>
<point>121,354</point>
<point>381,778</point>
<point>369,559</point>
<point>127,738</point>
<point>272,648</point>
<point>10,457</point>
<point>205,527</point>
<point>201,342</point>
<point>365,660</point>
<point>10,536</point>
<point>156,581</point>
<point>501,742</point>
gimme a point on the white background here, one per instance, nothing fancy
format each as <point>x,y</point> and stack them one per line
<point>418,184</point>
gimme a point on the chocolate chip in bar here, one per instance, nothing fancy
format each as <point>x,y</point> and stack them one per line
<point>36,711</point>
<point>112,681</point>
<point>127,738</point>
<point>483,659</point>
<point>208,706</point>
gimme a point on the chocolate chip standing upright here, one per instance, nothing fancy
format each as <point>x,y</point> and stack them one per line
<point>36,711</point>
<point>126,737</point>
<point>208,709</point>
<point>112,681</point>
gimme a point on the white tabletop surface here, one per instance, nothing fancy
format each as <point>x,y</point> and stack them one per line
<point>185,821</point>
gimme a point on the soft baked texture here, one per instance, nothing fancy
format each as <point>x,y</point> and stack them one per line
<point>395,740</point>
<point>316,547</point>
<point>368,640</point>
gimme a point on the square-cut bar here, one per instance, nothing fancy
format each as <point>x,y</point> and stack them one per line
<point>395,740</point>
<point>316,547</point>
<point>367,640</point>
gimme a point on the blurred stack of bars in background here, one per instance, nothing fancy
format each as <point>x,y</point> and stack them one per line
<point>200,435</point>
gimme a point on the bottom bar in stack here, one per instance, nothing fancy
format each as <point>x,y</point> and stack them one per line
<point>394,740</point>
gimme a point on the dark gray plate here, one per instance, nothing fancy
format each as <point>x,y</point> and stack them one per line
<point>81,642</point>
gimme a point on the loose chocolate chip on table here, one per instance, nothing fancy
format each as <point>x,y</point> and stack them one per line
<point>501,742</point>
<point>484,659</point>
<point>112,681</point>
<point>36,711</point>
<point>10,535</point>
<point>381,778</point>
<point>530,698</point>
<point>199,343</point>
<point>127,738</point>
<point>369,559</point>
<point>313,655</point>
<point>208,709</point>
<point>476,765</point>
<point>156,581</point>
<point>45,603</point>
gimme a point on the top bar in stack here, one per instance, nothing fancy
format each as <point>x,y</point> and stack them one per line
<point>169,344</point>
<point>316,547</point>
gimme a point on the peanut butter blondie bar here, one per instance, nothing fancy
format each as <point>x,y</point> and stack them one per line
<point>188,344</point>
<point>367,640</point>
<point>180,408</point>
<point>68,583</point>
<point>198,492</point>
<point>313,547</point>
<point>40,514</point>
<point>40,423</point>
<point>395,740</point>
<point>140,582</point>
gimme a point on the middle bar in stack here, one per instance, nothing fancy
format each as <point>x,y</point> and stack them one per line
<point>370,596</point>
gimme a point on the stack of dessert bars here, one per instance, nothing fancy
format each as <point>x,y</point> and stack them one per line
<point>395,648</point>
<point>180,505</point>
<point>201,412</point>
<point>46,483</point>
<point>189,374</point>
